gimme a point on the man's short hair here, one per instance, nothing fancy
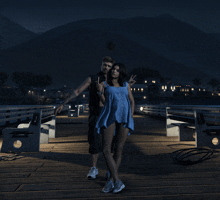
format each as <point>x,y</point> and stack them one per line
<point>108,59</point>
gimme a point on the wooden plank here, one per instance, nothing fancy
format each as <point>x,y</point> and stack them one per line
<point>147,169</point>
<point>93,193</point>
<point>130,184</point>
<point>9,188</point>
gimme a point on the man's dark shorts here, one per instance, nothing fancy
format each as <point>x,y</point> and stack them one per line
<point>94,139</point>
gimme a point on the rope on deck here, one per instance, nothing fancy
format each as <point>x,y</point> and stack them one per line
<point>192,156</point>
<point>10,157</point>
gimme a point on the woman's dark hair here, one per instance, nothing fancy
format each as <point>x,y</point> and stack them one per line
<point>122,74</point>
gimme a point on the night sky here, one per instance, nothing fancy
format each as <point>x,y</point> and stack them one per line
<point>42,15</point>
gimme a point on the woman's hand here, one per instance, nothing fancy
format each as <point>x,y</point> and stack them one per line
<point>131,80</point>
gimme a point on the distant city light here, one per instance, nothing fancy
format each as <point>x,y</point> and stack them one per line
<point>172,88</point>
<point>164,87</point>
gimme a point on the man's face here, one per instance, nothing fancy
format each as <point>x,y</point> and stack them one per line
<point>106,66</point>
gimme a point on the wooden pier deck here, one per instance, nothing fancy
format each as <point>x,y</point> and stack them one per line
<point>59,170</point>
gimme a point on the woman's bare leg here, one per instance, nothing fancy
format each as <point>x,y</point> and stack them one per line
<point>120,139</point>
<point>107,138</point>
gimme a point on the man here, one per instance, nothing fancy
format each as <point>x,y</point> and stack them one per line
<point>95,106</point>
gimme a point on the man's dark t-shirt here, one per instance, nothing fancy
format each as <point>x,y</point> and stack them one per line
<point>94,98</point>
<point>94,111</point>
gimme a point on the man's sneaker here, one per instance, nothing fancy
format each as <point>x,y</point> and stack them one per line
<point>107,175</point>
<point>92,173</point>
<point>118,187</point>
<point>109,186</point>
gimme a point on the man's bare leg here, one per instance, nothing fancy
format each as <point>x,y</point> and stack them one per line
<point>94,160</point>
<point>94,171</point>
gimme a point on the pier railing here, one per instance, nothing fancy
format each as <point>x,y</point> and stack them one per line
<point>161,110</point>
<point>18,113</point>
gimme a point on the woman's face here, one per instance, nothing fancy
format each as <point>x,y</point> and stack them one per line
<point>115,72</point>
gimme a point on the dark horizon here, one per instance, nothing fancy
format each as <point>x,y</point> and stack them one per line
<point>173,44</point>
<point>72,52</point>
<point>41,15</point>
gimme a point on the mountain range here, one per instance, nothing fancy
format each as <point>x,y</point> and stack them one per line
<point>12,34</point>
<point>70,53</point>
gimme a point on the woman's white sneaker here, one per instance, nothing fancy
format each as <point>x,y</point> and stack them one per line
<point>109,186</point>
<point>118,187</point>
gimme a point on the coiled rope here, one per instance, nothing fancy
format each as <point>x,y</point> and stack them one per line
<point>10,157</point>
<point>192,156</point>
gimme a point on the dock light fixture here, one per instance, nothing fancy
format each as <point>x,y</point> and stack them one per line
<point>141,108</point>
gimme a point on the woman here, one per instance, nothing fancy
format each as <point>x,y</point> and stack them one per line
<point>117,114</point>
